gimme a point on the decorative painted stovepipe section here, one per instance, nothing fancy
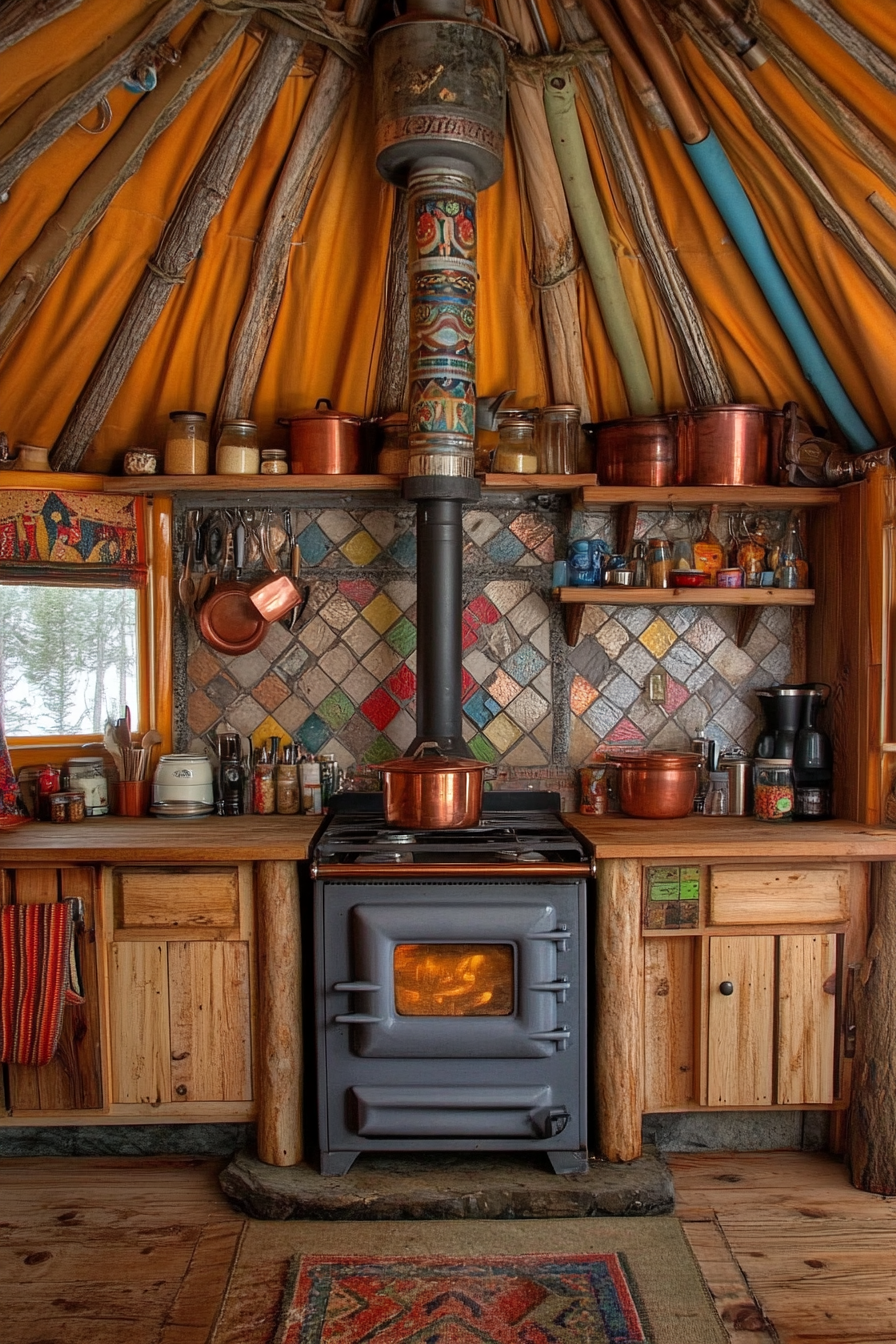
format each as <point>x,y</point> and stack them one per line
<point>441,345</point>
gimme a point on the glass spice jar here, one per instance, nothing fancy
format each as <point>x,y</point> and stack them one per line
<point>141,462</point>
<point>274,462</point>
<point>186,444</point>
<point>659,562</point>
<point>557,440</point>
<point>264,789</point>
<point>773,791</point>
<point>237,452</point>
<point>287,790</point>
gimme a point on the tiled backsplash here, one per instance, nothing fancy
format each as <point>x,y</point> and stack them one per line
<point>344,681</point>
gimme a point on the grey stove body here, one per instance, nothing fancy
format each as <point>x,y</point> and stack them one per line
<point>450,974</point>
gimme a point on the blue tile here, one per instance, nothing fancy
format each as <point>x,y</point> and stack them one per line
<point>525,664</point>
<point>314,545</point>
<point>481,708</point>
<point>404,550</point>
<point>313,733</point>
<point>505,548</point>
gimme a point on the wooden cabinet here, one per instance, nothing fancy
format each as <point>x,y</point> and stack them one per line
<point>180,989</point>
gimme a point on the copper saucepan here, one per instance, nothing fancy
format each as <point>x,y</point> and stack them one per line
<point>229,622</point>
<point>432,793</point>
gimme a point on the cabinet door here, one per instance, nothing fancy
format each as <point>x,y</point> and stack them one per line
<point>208,987</point>
<point>740,1047</point>
<point>138,1020</point>
<point>807,1005</point>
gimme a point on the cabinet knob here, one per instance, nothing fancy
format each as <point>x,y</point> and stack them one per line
<point>726,987</point>
<point>181,1090</point>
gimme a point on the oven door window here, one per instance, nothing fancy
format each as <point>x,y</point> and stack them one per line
<point>453,979</point>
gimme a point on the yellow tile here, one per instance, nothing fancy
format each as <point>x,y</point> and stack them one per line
<point>502,732</point>
<point>381,613</point>
<point>361,549</point>
<point>658,637</point>
<point>269,727</point>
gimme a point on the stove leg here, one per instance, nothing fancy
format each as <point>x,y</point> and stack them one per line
<point>335,1164</point>
<point>570,1163</point>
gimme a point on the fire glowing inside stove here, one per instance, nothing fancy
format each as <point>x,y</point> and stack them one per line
<point>453,979</point>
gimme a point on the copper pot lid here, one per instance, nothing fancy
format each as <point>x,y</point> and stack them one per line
<point>658,760</point>
<point>229,622</point>
<point>431,765</point>
<point>317,414</point>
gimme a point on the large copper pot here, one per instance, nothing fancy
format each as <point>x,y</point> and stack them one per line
<point>658,784</point>
<point>637,450</point>
<point>432,793</point>
<point>324,442</point>
<point>725,445</point>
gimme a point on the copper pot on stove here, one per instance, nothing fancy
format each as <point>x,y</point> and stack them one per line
<point>324,442</point>
<point>432,793</point>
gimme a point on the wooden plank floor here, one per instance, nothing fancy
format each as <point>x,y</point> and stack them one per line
<point>108,1250</point>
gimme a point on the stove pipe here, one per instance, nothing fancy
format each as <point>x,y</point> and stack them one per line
<point>439,88</point>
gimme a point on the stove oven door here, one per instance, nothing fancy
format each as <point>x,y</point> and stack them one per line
<point>448,1015</point>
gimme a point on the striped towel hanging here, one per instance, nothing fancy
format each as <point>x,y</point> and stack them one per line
<point>38,976</point>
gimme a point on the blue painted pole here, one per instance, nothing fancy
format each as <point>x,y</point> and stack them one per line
<point>720,180</point>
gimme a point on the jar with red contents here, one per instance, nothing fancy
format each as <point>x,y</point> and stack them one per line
<point>773,790</point>
<point>47,783</point>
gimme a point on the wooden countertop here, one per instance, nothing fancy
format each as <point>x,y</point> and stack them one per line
<point>695,838</point>
<point>157,840</point>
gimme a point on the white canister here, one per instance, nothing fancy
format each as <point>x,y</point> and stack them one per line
<point>86,774</point>
<point>183,778</point>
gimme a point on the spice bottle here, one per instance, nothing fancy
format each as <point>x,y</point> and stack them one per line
<point>287,790</point>
<point>237,452</point>
<point>274,462</point>
<point>264,795</point>
<point>659,562</point>
<point>709,553</point>
<point>791,570</point>
<point>186,445</point>
<point>309,774</point>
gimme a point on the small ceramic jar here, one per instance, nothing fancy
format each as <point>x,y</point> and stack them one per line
<point>141,462</point>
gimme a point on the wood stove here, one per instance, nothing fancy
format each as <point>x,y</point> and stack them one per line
<point>450,983</point>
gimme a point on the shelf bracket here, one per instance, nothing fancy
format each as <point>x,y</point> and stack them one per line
<point>572,621</point>
<point>747,620</point>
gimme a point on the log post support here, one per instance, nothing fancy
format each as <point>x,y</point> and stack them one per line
<point>279,1036</point>
<point>619,1011</point>
<point>871,1137</point>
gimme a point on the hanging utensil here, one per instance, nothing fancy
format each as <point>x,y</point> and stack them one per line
<point>239,545</point>
<point>185,589</point>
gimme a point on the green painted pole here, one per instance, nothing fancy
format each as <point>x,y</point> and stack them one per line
<point>591,227</point>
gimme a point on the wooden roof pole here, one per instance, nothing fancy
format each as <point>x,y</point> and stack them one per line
<point>554,258</point>
<point>20,18</point>
<point>318,129</point>
<point>55,107</point>
<point>24,287</point>
<point>861,48</point>
<point>391,390</point>
<point>705,380</point>
<point>180,244</point>
<point>729,70</point>
<point>853,131</point>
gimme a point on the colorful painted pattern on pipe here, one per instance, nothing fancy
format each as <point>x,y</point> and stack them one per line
<point>442,288</point>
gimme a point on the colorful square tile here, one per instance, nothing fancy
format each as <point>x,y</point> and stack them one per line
<point>480,526</point>
<point>271,692</point>
<point>705,634</point>
<point>506,593</point>
<point>313,733</point>
<point>249,668</point>
<point>676,695</point>
<point>502,732</point>
<point>359,591</point>
<point>381,660</point>
<point>360,637</point>
<point>636,619</point>
<point>589,659</point>
<point>602,716</point>
<point>582,695</point>
<point>402,730</point>
<point>313,545</point>
<point>223,691</point>
<point>622,690</point>
<point>777,663</point>
<point>336,709</point>
<point>359,684</point>
<point>315,685</point>
<point>244,715</point>
<point>380,749</point>
<point>481,708</point>
<point>379,708</point>
<point>403,550</point>
<point>481,611</point>
<point>402,683</point>
<point>469,634</point>
<point>336,523</point>
<point>525,664</point>
<point>531,530</point>
<point>381,613</point>
<point>526,754</point>
<point>637,662</point>
<point>357,735</point>
<point>203,665</point>
<point>403,593</point>
<point>546,551</point>
<point>479,667</point>
<point>467,685</point>
<point>505,548</point>
<point>503,688</point>
<point>361,549</point>
<point>292,713</point>
<point>482,749</point>
<point>625,731</point>
<point>681,661</point>
<point>736,718</point>
<point>338,662</point>
<point>501,640</point>
<point>403,637</point>
<point>382,525</point>
<point>201,712</point>
<point>658,637</point>
<point>268,728</point>
<point>733,663</point>
<point>339,612</point>
<point>317,636</point>
<point>528,709</point>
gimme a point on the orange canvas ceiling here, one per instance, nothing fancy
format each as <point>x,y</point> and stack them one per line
<point>328,328</point>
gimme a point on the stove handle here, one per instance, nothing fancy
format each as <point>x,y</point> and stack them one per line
<point>559,936</point>
<point>560,1034</point>
<point>357,987</point>
<point>558,987</point>
<point>551,1120</point>
<point>357,1019</point>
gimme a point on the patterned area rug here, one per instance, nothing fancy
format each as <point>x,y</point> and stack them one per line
<point>531,1281</point>
<point>538,1299</point>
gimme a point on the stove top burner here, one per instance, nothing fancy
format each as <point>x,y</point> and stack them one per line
<point>532,838</point>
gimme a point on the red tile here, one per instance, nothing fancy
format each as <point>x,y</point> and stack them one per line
<point>467,685</point>
<point>486,612</point>
<point>676,695</point>
<point>402,682</point>
<point>625,731</point>
<point>379,708</point>
<point>469,634</point>
<point>359,591</point>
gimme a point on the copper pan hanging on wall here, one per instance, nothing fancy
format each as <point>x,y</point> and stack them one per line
<point>228,620</point>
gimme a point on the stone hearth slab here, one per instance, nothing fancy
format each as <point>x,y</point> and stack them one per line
<point>381,1187</point>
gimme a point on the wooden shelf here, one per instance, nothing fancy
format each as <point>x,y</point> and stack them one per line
<point>247,485</point>
<point>52,480</point>
<point>726,496</point>
<point>687,597</point>
<point>512,480</point>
